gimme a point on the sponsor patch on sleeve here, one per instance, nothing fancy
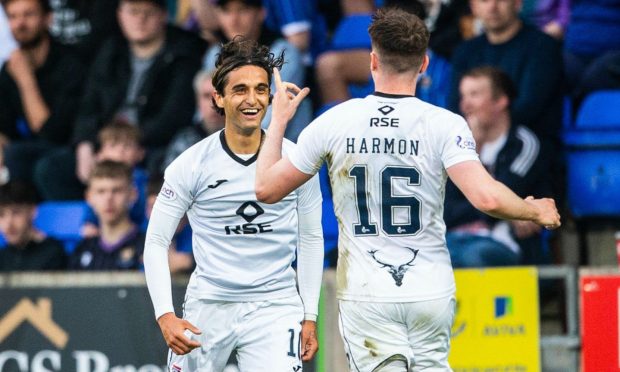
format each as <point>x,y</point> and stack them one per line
<point>466,143</point>
<point>167,192</point>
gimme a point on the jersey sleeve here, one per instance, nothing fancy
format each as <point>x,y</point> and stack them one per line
<point>456,141</point>
<point>176,194</point>
<point>307,156</point>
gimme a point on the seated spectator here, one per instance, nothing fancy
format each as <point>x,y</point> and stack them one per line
<point>532,59</point>
<point>120,142</point>
<point>180,256</point>
<point>84,24</point>
<point>592,48</point>
<point>120,243</point>
<point>513,155</point>
<point>209,120</point>
<point>39,88</point>
<point>27,248</point>
<point>246,18</point>
<point>143,78</point>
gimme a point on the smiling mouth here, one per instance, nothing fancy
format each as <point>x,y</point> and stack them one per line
<point>250,111</point>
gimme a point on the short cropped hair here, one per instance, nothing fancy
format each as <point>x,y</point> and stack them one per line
<point>119,131</point>
<point>44,4</point>
<point>241,52</point>
<point>399,38</point>
<point>501,83</point>
<point>111,169</point>
<point>18,193</point>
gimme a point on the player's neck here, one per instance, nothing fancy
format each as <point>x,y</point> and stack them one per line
<point>243,143</point>
<point>395,84</point>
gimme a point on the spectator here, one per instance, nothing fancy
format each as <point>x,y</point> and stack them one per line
<point>27,248</point>
<point>550,16</point>
<point>120,243</point>
<point>592,47</point>
<point>7,43</point>
<point>120,142</point>
<point>532,59</point>
<point>246,18</point>
<point>39,88</point>
<point>180,256</point>
<point>84,24</point>
<point>143,78</point>
<point>209,121</point>
<point>513,155</point>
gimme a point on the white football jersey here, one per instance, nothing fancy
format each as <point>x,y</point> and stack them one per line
<point>387,157</point>
<point>243,249</point>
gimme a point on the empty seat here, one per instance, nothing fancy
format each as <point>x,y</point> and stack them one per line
<point>61,220</point>
<point>593,151</point>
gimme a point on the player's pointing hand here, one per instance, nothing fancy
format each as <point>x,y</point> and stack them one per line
<point>286,99</point>
<point>173,329</point>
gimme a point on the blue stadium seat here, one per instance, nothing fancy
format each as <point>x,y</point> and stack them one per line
<point>593,151</point>
<point>62,220</point>
<point>352,33</point>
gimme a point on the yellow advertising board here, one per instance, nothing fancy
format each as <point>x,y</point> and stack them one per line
<point>496,327</point>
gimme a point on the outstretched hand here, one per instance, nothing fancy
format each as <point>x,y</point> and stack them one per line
<point>173,329</point>
<point>309,341</point>
<point>548,215</point>
<point>286,99</point>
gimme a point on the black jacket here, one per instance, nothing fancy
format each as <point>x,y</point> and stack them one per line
<point>521,165</point>
<point>49,254</point>
<point>60,82</point>
<point>165,99</point>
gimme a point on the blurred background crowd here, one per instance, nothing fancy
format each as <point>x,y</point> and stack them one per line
<point>97,97</point>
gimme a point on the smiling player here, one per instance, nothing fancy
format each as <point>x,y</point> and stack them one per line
<point>242,295</point>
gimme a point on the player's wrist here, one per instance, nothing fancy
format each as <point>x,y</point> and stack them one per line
<point>310,317</point>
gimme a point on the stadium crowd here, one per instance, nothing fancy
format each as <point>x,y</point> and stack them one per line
<point>97,97</point>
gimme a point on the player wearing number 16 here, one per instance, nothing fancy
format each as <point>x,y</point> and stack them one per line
<point>388,157</point>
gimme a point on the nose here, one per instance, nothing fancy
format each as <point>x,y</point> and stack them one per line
<point>251,97</point>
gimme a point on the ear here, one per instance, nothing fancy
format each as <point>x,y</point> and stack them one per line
<point>141,154</point>
<point>502,102</point>
<point>262,14</point>
<point>219,100</point>
<point>374,61</point>
<point>425,63</point>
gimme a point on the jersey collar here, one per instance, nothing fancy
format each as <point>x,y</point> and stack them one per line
<point>233,155</point>
<point>389,95</point>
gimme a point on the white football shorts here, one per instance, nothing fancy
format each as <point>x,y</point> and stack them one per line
<point>376,333</point>
<point>265,334</point>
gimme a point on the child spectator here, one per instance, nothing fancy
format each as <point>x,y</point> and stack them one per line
<point>120,142</point>
<point>27,248</point>
<point>120,243</point>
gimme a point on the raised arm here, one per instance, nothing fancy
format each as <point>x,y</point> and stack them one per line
<point>277,177</point>
<point>495,199</point>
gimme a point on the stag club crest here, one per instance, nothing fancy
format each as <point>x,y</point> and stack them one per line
<point>396,270</point>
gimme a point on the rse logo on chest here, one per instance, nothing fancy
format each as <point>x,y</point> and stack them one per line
<point>249,211</point>
<point>384,122</point>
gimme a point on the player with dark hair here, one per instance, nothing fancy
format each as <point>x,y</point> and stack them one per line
<point>242,295</point>
<point>388,157</point>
